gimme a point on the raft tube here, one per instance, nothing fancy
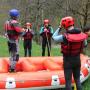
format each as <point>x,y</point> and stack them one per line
<point>38,73</point>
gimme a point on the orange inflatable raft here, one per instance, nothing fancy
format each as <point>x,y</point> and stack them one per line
<point>38,73</point>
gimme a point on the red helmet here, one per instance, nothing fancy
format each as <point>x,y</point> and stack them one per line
<point>28,24</point>
<point>67,22</point>
<point>46,21</point>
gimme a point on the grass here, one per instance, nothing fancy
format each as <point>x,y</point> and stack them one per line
<point>36,51</point>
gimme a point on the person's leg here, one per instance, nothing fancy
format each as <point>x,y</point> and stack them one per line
<point>68,78</point>
<point>25,52</point>
<point>49,46</point>
<point>25,48</point>
<point>76,73</point>
<point>67,73</point>
<point>17,50</point>
<point>43,47</point>
<point>29,47</point>
<point>13,57</point>
<point>12,61</point>
<point>9,46</point>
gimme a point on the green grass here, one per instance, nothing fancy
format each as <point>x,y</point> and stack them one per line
<point>36,51</point>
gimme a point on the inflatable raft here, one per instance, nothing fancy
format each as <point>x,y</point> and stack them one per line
<point>38,73</point>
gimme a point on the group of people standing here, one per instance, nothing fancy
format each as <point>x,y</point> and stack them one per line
<point>13,31</point>
<point>46,33</point>
<point>72,43</point>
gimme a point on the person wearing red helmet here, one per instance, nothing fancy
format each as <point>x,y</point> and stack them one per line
<point>46,33</point>
<point>72,44</point>
<point>13,31</point>
<point>28,39</point>
<point>86,30</point>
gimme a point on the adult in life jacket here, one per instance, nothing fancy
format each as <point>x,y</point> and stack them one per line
<point>72,44</point>
<point>28,39</point>
<point>46,33</point>
<point>13,31</point>
<point>86,30</point>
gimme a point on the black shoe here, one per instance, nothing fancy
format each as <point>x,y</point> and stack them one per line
<point>12,70</point>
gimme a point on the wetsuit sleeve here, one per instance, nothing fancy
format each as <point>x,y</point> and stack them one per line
<point>57,37</point>
<point>41,31</point>
<point>5,28</point>
<point>51,30</point>
<point>85,43</point>
<point>32,32</point>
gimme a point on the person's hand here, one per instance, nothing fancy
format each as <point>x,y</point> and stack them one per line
<point>23,30</point>
<point>60,25</point>
<point>26,30</point>
<point>6,35</point>
<point>45,30</point>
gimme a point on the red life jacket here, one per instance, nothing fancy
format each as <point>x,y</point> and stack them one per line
<point>47,34</point>
<point>28,35</point>
<point>74,45</point>
<point>12,29</point>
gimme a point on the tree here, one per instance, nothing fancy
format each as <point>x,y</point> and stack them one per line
<point>35,11</point>
<point>81,9</point>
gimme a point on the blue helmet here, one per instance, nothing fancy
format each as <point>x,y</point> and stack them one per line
<point>14,13</point>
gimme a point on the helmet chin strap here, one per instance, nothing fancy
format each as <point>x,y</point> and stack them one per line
<point>70,28</point>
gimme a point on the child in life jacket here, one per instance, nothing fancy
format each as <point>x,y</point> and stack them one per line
<point>86,30</point>
<point>28,39</point>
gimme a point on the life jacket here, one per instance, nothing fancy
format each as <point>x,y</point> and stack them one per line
<point>28,35</point>
<point>10,28</point>
<point>73,43</point>
<point>47,34</point>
